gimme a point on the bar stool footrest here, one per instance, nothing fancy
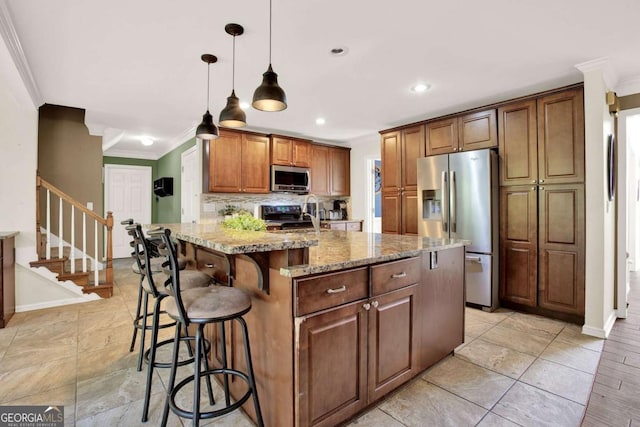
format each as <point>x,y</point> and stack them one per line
<point>210,414</point>
<point>207,347</point>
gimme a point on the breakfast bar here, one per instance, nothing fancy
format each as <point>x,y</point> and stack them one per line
<point>338,319</point>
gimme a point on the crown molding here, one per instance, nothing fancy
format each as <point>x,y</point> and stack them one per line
<point>180,139</point>
<point>602,64</point>
<point>10,36</point>
<point>145,155</point>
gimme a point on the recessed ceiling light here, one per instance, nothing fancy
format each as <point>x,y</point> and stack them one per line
<point>146,141</point>
<point>421,87</point>
<point>320,121</point>
<point>244,105</point>
<point>339,51</point>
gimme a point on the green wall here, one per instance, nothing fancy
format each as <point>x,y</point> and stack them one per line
<point>168,208</point>
<point>136,162</point>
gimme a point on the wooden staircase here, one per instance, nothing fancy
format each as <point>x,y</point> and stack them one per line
<point>61,259</point>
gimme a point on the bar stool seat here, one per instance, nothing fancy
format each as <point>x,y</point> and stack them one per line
<point>205,305</point>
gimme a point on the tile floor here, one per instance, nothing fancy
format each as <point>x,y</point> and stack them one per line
<point>514,369</point>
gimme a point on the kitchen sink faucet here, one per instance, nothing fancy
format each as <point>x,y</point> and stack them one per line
<point>315,219</point>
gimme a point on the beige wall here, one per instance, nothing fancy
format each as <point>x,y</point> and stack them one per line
<point>70,159</point>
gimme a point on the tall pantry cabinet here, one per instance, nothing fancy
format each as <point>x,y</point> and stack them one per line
<point>542,219</point>
<point>399,152</point>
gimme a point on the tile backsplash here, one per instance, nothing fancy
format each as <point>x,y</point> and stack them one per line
<point>211,203</point>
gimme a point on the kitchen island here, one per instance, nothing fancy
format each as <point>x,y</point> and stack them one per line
<point>338,319</point>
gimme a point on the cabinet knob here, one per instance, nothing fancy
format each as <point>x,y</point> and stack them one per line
<point>541,181</point>
<point>375,304</point>
<point>533,188</point>
<point>533,181</point>
<point>210,265</point>
<point>367,306</point>
<point>542,188</point>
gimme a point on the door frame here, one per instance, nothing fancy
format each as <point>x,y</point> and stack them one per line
<point>371,224</point>
<point>148,171</point>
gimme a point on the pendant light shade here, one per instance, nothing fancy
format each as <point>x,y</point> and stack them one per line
<point>232,115</point>
<point>207,129</point>
<point>269,96</point>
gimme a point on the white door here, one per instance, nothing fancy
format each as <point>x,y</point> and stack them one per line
<point>127,193</point>
<point>190,186</point>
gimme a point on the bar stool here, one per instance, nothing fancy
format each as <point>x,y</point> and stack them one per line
<point>140,320</point>
<point>193,279</point>
<point>202,306</point>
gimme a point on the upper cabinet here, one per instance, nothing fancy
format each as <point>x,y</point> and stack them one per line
<point>238,162</point>
<point>467,132</point>
<point>542,140</point>
<point>330,170</point>
<point>290,152</point>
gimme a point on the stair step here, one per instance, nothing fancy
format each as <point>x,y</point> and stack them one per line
<point>55,265</point>
<point>80,279</point>
<point>104,291</point>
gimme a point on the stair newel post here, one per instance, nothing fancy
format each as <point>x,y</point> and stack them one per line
<point>109,271</point>
<point>39,246</point>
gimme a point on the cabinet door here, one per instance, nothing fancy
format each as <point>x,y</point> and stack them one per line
<point>225,168</point>
<point>340,169</point>
<point>517,135</point>
<point>391,212</point>
<point>477,130</point>
<point>391,159</point>
<point>320,170</point>
<point>518,244</point>
<point>561,138</point>
<point>393,340</point>
<point>409,212</point>
<point>442,136</point>
<point>412,147</point>
<point>281,151</point>
<point>255,164</point>
<point>561,248</point>
<point>301,153</point>
<point>332,366</point>
<point>442,306</point>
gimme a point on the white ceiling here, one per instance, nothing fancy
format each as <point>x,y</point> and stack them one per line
<point>135,65</point>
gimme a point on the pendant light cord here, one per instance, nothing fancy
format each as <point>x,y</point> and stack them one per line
<point>233,66</point>
<point>208,68</point>
<point>269,32</point>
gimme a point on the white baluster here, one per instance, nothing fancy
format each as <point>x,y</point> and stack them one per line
<point>95,254</point>
<point>84,242</point>
<point>60,229</point>
<point>48,244</point>
<point>73,239</point>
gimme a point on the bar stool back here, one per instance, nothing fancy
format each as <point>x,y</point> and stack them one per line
<point>215,304</point>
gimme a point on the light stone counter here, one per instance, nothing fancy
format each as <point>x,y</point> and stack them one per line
<point>328,250</point>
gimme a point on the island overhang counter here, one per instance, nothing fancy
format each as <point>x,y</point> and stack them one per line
<point>338,319</point>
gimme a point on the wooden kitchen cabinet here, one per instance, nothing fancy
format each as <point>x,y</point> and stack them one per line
<point>330,170</point>
<point>519,244</point>
<point>238,162</point>
<point>518,144</point>
<point>471,131</point>
<point>561,137</point>
<point>400,151</point>
<point>290,151</point>
<point>561,248</point>
<point>7,279</point>
<point>442,305</point>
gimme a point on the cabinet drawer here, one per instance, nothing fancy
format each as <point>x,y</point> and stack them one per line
<point>395,275</point>
<point>354,226</point>
<point>330,290</point>
<point>215,265</point>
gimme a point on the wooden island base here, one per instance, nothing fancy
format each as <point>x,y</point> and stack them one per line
<point>327,345</point>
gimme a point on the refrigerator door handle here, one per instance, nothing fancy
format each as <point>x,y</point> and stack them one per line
<point>445,202</point>
<point>452,183</point>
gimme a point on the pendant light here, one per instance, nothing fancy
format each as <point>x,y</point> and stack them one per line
<point>207,129</point>
<point>269,96</point>
<point>232,115</point>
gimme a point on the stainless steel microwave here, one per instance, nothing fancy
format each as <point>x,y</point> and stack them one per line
<point>290,179</point>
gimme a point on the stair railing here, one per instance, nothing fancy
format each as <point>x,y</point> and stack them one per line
<point>44,245</point>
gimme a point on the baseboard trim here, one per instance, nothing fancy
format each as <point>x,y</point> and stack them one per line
<point>57,303</point>
<point>601,332</point>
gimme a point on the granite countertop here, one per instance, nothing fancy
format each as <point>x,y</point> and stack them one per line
<point>328,250</point>
<point>338,250</point>
<point>8,234</point>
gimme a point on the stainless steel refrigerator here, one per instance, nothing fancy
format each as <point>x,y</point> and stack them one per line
<point>458,198</point>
